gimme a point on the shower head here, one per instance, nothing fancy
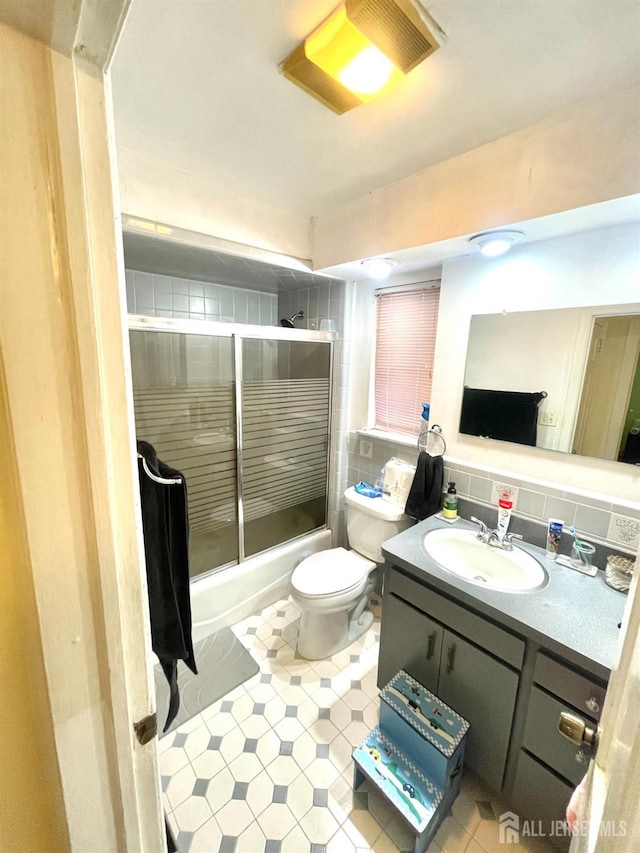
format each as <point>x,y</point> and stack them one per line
<point>288,324</point>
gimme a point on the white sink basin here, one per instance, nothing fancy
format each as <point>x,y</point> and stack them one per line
<point>463,554</point>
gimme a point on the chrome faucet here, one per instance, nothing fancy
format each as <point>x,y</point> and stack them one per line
<point>492,537</point>
<point>484,534</point>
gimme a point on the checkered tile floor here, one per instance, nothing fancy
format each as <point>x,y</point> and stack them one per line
<point>268,767</point>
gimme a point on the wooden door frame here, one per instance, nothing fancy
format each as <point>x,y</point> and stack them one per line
<point>63,343</point>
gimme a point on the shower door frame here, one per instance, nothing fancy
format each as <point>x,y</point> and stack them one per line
<point>239,332</point>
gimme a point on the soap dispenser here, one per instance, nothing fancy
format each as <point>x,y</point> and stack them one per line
<point>450,504</point>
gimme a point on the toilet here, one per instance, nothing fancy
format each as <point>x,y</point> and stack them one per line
<point>332,588</point>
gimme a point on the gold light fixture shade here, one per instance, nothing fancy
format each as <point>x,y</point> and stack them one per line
<point>360,52</point>
<point>348,56</point>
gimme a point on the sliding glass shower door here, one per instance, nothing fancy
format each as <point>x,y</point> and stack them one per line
<point>184,403</point>
<point>284,401</point>
<point>245,419</point>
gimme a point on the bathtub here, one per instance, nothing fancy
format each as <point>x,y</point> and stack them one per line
<point>223,598</point>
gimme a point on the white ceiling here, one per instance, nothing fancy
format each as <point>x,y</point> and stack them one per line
<point>196,85</point>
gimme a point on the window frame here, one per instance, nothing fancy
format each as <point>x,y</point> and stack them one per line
<point>398,437</point>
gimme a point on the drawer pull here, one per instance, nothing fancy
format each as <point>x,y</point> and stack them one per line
<point>450,658</point>
<point>431,642</point>
<point>592,704</point>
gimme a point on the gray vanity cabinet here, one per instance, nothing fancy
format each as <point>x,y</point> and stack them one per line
<point>550,766</point>
<point>471,664</point>
<point>409,640</point>
<point>483,691</point>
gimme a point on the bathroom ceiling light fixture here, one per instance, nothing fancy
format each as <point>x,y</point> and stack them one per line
<point>360,52</point>
<point>494,243</point>
<point>379,268</point>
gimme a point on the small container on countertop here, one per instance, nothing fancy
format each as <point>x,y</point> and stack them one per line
<point>619,572</point>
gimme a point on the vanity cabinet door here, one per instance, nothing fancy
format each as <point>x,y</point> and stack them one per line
<point>483,691</point>
<point>409,640</point>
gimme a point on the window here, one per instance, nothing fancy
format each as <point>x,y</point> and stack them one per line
<point>407,319</point>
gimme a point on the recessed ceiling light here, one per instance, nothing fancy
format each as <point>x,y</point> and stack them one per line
<point>494,243</point>
<point>379,267</point>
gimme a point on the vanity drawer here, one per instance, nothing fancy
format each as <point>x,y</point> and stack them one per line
<point>478,629</point>
<point>542,738</point>
<point>586,695</point>
<point>540,797</point>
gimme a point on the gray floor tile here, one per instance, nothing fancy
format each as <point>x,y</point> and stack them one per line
<point>320,797</point>
<point>240,791</point>
<point>279,794</point>
<point>200,788</point>
<point>183,841</point>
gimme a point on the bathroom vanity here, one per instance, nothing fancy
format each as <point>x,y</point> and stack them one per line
<point>508,662</point>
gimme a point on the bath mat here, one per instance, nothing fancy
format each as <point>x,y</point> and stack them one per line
<point>223,663</point>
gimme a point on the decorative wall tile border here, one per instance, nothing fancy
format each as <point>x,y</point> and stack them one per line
<point>595,517</point>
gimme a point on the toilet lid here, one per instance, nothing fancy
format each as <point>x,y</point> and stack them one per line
<point>330,572</point>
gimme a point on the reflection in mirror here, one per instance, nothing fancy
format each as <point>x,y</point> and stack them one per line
<point>566,379</point>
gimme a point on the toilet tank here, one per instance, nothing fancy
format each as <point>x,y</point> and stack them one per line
<point>370,522</point>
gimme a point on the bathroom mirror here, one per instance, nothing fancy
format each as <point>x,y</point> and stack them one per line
<point>563,379</point>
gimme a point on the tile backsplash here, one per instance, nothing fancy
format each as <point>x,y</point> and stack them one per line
<point>599,519</point>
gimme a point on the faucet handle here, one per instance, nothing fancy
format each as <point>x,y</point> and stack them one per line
<point>484,531</point>
<point>508,540</point>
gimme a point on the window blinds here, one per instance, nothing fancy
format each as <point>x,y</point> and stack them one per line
<point>405,347</point>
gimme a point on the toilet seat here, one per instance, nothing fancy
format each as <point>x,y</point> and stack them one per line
<point>329,573</point>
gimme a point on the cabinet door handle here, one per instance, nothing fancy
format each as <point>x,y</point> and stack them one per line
<point>431,642</point>
<point>450,658</point>
<point>592,704</point>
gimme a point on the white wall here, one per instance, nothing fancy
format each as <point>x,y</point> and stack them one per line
<point>599,267</point>
<point>576,158</point>
<point>160,192</point>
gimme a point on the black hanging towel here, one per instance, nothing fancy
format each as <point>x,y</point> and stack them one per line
<point>166,544</point>
<point>505,415</point>
<point>425,494</point>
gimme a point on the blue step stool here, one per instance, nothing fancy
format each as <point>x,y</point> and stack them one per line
<point>414,757</point>
<point>432,733</point>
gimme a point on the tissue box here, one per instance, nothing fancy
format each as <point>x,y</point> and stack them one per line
<point>397,479</point>
<point>424,728</point>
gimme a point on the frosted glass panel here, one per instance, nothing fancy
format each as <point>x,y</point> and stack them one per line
<point>285,435</point>
<point>183,394</point>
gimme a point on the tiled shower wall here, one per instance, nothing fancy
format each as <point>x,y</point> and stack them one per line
<point>181,298</point>
<point>166,296</point>
<point>324,301</point>
<point>615,526</point>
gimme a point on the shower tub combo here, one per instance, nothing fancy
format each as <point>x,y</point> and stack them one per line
<point>244,413</point>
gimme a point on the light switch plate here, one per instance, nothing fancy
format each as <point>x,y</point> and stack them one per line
<point>498,488</point>
<point>624,530</point>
